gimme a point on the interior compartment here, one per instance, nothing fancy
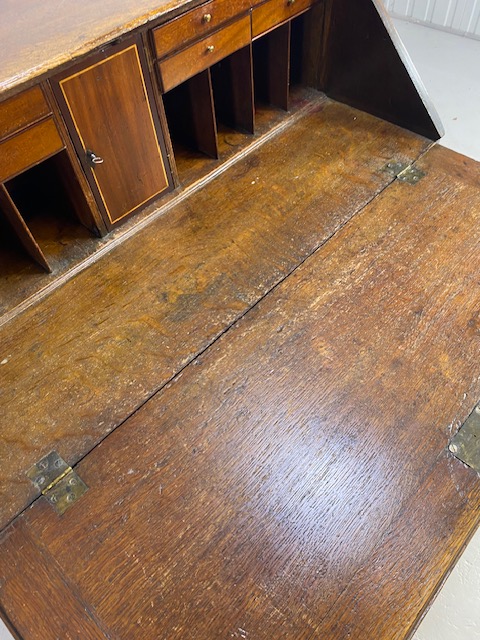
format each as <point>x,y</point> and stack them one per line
<point>286,63</point>
<point>41,198</point>
<point>205,113</point>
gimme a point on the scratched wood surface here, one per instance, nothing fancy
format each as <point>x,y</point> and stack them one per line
<point>39,37</point>
<point>78,364</point>
<point>294,480</point>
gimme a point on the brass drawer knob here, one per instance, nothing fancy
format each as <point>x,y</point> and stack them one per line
<point>207,17</point>
<point>210,48</point>
<point>290,3</point>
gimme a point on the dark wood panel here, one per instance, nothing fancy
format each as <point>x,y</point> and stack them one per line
<point>195,24</point>
<point>97,348</point>
<point>22,110</point>
<point>21,229</point>
<point>22,151</point>
<point>271,66</point>
<point>190,114</point>
<point>70,618</point>
<point>198,57</point>
<point>112,117</point>
<point>366,65</point>
<point>294,481</point>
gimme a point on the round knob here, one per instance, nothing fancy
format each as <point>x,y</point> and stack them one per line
<point>290,2</point>
<point>210,48</point>
<point>207,17</point>
<point>93,158</point>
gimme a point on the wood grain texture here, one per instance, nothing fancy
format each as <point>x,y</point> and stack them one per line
<point>21,110</point>
<point>26,149</point>
<point>37,38</point>
<point>69,617</point>
<point>96,349</point>
<point>194,24</point>
<point>293,481</point>
<point>203,54</point>
<point>134,169</point>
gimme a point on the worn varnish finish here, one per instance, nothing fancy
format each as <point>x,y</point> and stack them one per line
<point>294,480</point>
<point>94,350</point>
<point>37,38</point>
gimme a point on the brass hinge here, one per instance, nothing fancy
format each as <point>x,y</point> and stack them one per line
<point>57,481</point>
<point>465,445</point>
<point>404,172</point>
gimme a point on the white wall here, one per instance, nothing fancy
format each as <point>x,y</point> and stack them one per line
<point>457,16</point>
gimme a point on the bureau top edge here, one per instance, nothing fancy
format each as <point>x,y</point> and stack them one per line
<point>37,41</point>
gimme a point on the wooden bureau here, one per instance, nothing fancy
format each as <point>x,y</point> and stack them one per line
<point>216,305</point>
<point>107,129</point>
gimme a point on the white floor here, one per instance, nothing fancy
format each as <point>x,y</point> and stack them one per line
<point>449,65</point>
<point>450,68</point>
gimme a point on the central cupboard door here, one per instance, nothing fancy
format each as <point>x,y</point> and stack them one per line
<point>110,109</point>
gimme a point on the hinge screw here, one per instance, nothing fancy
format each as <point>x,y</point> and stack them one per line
<point>453,447</point>
<point>477,409</point>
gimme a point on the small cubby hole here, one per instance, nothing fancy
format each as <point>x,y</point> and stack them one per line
<point>210,114</point>
<point>286,65</point>
<point>41,196</point>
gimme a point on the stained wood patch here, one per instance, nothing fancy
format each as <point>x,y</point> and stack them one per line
<point>79,363</point>
<point>294,480</point>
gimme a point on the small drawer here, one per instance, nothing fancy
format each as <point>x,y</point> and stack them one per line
<point>28,148</point>
<point>203,54</point>
<point>273,13</point>
<point>195,24</point>
<point>22,110</point>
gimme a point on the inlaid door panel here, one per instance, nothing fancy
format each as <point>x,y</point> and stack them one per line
<point>110,111</point>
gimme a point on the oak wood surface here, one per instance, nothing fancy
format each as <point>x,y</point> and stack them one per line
<point>294,480</point>
<point>22,283</point>
<point>70,617</point>
<point>90,354</point>
<point>40,37</point>
<point>112,90</point>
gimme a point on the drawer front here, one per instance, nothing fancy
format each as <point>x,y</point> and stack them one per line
<point>29,148</point>
<point>18,112</point>
<point>203,54</point>
<point>195,24</point>
<point>275,12</point>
